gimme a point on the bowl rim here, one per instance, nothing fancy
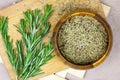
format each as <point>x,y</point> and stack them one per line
<point>94,15</point>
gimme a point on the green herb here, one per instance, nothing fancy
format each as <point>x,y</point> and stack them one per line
<point>82,40</point>
<point>30,52</point>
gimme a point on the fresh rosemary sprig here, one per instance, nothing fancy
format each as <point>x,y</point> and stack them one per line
<point>30,52</point>
<point>6,38</point>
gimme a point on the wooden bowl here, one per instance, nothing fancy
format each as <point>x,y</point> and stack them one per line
<point>97,17</point>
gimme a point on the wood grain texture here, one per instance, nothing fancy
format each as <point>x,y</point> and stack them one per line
<point>14,14</point>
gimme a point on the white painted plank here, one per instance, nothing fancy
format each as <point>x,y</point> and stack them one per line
<point>52,77</point>
<point>1,60</point>
<point>106,9</point>
<point>74,72</point>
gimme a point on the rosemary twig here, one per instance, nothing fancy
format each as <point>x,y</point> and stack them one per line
<point>30,53</point>
<point>6,38</point>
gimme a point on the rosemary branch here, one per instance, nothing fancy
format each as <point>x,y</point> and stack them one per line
<point>30,52</point>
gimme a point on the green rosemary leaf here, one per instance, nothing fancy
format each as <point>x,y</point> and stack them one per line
<point>30,52</point>
<point>38,13</point>
<point>36,72</point>
<point>48,11</point>
<point>20,54</point>
<point>6,38</point>
<point>47,27</point>
<point>48,58</point>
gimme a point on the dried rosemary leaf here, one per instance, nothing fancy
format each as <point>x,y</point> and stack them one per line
<point>82,39</point>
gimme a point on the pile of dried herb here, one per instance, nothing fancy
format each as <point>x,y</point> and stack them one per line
<point>82,40</point>
<point>30,52</point>
<point>72,5</point>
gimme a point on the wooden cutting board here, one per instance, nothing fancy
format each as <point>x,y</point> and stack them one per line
<point>14,13</point>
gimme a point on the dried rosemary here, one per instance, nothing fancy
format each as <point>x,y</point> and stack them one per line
<point>30,52</point>
<point>73,5</point>
<point>82,40</point>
